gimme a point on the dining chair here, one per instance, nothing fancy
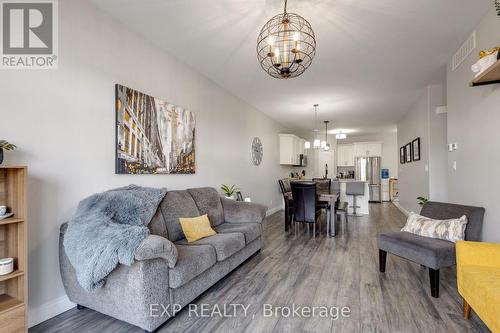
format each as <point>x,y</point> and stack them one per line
<point>306,209</point>
<point>341,207</point>
<point>335,187</point>
<point>285,188</point>
<point>323,185</point>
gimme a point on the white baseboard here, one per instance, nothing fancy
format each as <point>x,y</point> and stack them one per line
<point>401,208</point>
<point>49,310</point>
<point>273,210</point>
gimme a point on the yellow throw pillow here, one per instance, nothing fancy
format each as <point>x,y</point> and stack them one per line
<point>195,228</point>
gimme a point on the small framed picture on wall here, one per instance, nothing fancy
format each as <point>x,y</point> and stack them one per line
<point>408,152</point>
<point>415,148</point>
<point>402,155</point>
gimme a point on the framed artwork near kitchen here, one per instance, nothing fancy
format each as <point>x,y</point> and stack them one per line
<point>415,148</point>
<point>408,153</point>
<point>402,155</point>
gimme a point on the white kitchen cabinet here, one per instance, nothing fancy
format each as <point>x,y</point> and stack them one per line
<point>291,147</point>
<point>367,149</point>
<point>345,155</point>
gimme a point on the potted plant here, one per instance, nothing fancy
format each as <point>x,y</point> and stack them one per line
<point>229,191</point>
<point>422,200</point>
<point>4,145</point>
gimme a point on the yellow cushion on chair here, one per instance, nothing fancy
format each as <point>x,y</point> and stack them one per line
<point>195,228</point>
<point>478,279</point>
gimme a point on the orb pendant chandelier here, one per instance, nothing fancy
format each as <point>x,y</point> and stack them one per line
<point>286,45</point>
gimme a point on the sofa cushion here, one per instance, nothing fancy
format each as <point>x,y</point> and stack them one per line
<point>430,252</point>
<point>208,202</point>
<point>177,204</point>
<point>157,225</point>
<point>225,245</point>
<point>444,211</point>
<point>251,231</point>
<point>192,261</point>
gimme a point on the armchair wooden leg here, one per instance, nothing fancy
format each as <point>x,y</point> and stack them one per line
<point>382,258</point>
<point>434,278</point>
<point>467,309</point>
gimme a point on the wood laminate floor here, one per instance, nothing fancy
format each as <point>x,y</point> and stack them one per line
<point>296,269</point>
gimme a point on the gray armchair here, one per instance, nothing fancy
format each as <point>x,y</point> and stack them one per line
<point>429,252</point>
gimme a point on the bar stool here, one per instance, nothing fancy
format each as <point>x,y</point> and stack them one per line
<point>355,189</point>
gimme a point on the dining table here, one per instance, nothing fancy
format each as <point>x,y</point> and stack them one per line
<point>331,198</point>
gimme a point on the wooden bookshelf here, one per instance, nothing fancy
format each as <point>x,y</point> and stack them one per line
<point>13,244</point>
<point>489,76</point>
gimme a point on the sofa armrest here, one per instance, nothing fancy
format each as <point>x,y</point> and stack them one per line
<point>154,246</point>
<point>240,211</point>
<point>129,291</point>
<point>478,253</point>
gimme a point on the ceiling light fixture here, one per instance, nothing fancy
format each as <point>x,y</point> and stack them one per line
<point>286,45</point>
<point>341,136</point>
<point>324,144</point>
<point>316,142</point>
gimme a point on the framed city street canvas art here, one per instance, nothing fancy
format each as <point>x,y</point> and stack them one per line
<point>402,155</point>
<point>152,136</point>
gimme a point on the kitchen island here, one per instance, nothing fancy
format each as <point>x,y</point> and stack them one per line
<point>361,200</point>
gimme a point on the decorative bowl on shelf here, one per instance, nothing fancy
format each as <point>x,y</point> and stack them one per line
<point>6,216</point>
<point>6,266</point>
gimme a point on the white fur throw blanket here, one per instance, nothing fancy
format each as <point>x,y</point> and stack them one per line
<point>107,229</point>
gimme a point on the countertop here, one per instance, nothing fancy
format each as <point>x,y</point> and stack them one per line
<point>345,180</point>
<point>348,180</point>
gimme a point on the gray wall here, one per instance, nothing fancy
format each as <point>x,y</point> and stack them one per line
<point>415,177</point>
<point>473,123</point>
<point>64,124</point>
<point>438,153</point>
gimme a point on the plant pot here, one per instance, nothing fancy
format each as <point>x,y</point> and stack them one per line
<point>1,156</point>
<point>230,198</point>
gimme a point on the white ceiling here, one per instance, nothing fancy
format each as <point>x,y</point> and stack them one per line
<point>373,56</point>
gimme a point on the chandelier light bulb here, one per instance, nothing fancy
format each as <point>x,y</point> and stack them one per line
<point>316,143</point>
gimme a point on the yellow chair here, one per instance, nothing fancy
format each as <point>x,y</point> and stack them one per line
<point>478,277</point>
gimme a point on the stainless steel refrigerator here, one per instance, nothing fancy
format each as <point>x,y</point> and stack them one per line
<point>368,169</point>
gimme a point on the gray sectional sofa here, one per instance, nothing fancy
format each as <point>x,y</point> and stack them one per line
<point>168,271</point>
